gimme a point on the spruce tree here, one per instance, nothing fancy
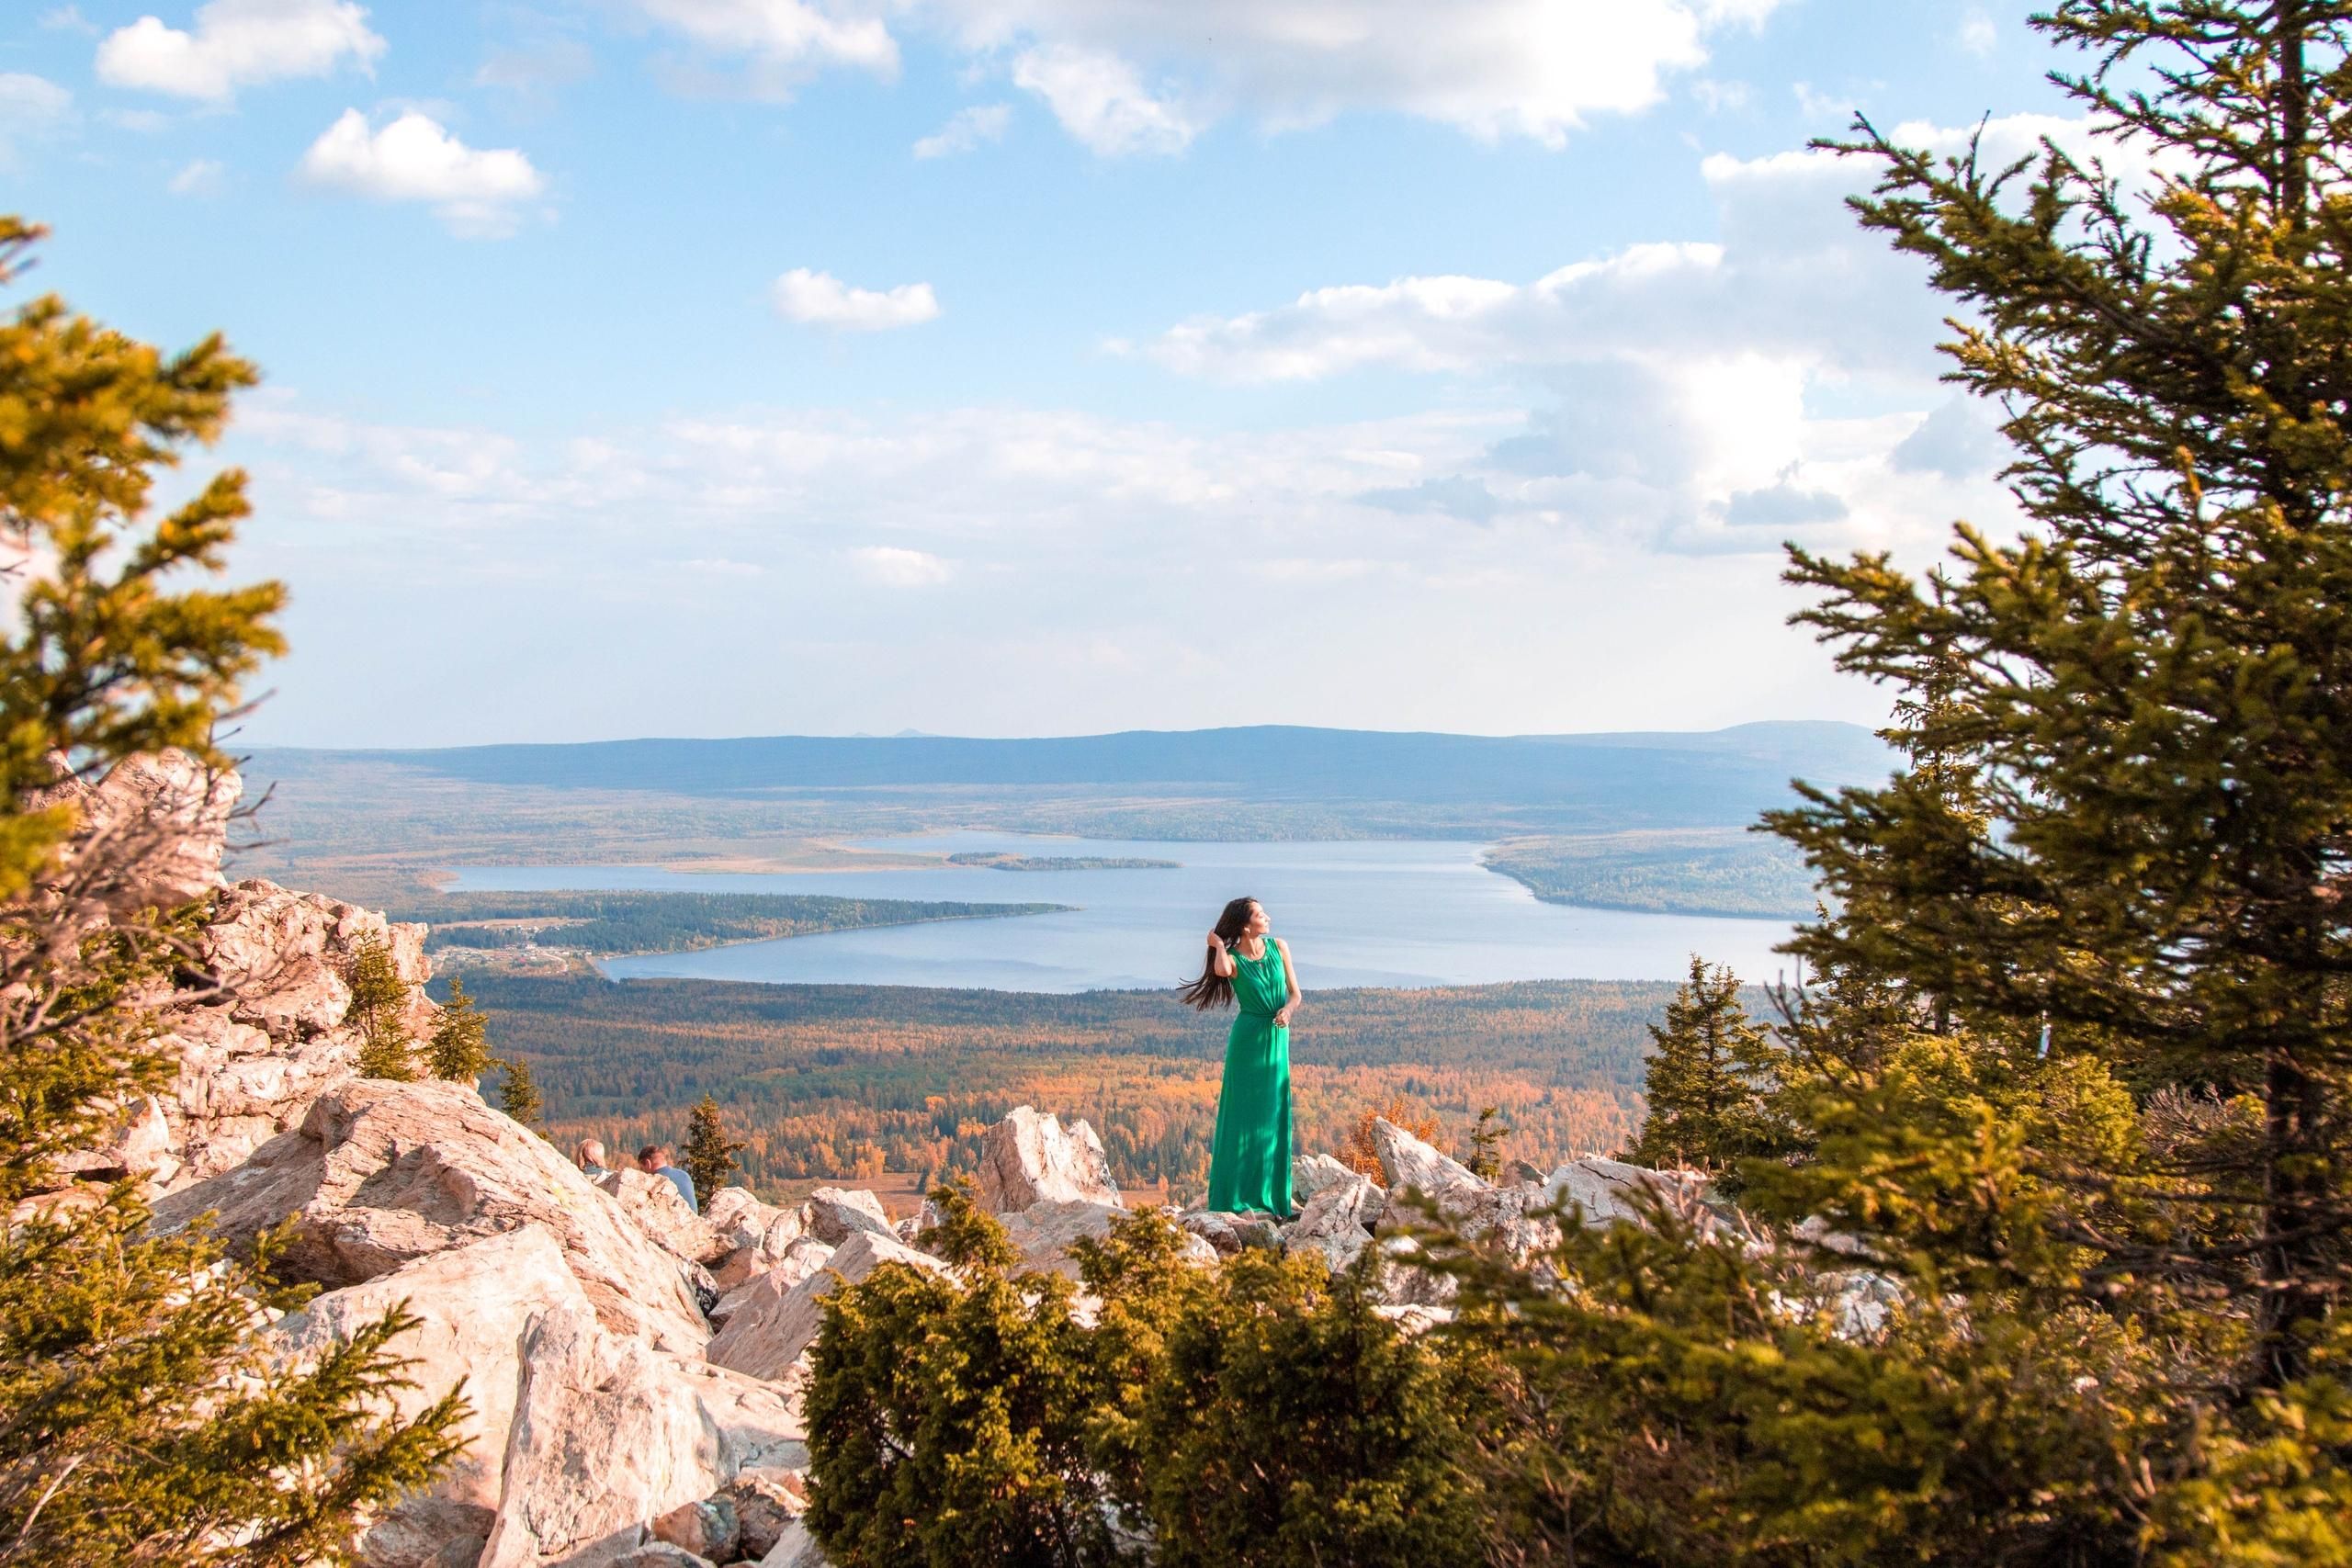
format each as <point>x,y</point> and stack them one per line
<point>517,1094</point>
<point>2074,1090</point>
<point>378,1011</point>
<point>1707,1080</point>
<point>2152,689</point>
<point>458,1048</point>
<point>708,1154</point>
<point>140,1421</point>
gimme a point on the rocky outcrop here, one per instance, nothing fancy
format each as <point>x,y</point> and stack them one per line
<point>1338,1222</point>
<point>775,1324</point>
<point>662,1211</point>
<point>1310,1174</point>
<point>149,834</point>
<point>255,1052</point>
<point>1603,1191</point>
<point>381,1173</point>
<point>833,1215</point>
<point>1032,1158</point>
<point>1511,1218</point>
<point>610,1434</point>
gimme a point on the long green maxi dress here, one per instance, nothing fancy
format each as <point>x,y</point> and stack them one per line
<point>1250,1163</point>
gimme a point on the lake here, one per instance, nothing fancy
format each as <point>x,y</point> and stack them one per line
<point>1384,912</point>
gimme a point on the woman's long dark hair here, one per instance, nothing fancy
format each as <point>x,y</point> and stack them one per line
<point>1213,989</point>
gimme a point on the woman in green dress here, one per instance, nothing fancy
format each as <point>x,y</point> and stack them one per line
<point>1250,1162</point>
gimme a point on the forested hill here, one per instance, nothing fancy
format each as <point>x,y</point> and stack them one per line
<point>1716,777</point>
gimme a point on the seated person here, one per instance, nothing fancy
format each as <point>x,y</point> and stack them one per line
<point>654,1160</point>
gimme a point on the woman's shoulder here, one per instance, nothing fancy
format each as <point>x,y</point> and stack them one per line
<point>1279,942</point>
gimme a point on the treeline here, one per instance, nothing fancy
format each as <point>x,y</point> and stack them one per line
<point>849,1080</point>
<point>607,922</point>
<point>1734,873</point>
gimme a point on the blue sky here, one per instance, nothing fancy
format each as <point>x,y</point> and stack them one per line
<point>1030,366</point>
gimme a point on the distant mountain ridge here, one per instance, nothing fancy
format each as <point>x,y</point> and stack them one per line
<point>1715,776</point>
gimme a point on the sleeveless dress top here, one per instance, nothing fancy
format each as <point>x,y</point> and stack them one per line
<point>1250,1161</point>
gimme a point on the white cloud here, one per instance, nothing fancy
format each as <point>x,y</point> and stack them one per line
<point>782,41</point>
<point>819,299</point>
<point>414,159</point>
<point>1674,385</point>
<point>1099,99</point>
<point>965,130</point>
<point>31,103</point>
<point>894,567</point>
<point>1977,35</point>
<point>238,43</point>
<point>1493,68</point>
<point>30,107</point>
<point>200,176</point>
<point>1133,570</point>
<point>68,19</point>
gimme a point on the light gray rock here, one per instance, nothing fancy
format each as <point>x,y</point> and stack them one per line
<point>381,1173</point>
<point>708,1529</point>
<point>1407,1164</point>
<point>149,833</point>
<point>1310,1174</point>
<point>662,1211</point>
<point>609,1434</point>
<point>1509,1218</point>
<point>476,1303</point>
<point>769,1330</point>
<point>1029,1158</point>
<point>1045,1232</point>
<point>254,1054</point>
<point>1402,1283</point>
<point>1416,1321</point>
<point>801,1258</point>
<point>836,1213</point>
<point>578,1437</point>
<point>1338,1222</point>
<point>796,1549</point>
<point>1213,1228</point>
<point>1599,1192</point>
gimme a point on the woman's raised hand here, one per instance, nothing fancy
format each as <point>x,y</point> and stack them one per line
<point>1216,942</point>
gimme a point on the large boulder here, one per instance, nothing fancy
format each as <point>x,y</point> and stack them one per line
<point>795,1548</point>
<point>610,1434</point>
<point>1311,1174</point>
<point>1597,1192</point>
<point>768,1331</point>
<point>1031,1158</point>
<point>1046,1235</point>
<point>1338,1222</point>
<point>255,1051</point>
<point>662,1211</point>
<point>757,1234</point>
<point>1509,1218</point>
<point>802,1257</point>
<point>833,1215</point>
<point>476,1304</point>
<point>149,833</point>
<point>577,1441</point>
<point>381,1173</point>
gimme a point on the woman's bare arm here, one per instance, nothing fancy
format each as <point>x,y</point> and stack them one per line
<point>1220,960</point>
<point>1290,977</point>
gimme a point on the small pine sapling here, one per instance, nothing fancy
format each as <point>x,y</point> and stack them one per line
<point>518,1096</point>
<point>710,1153</point>
<point>458,1048</point>
<point>378,1003</point>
